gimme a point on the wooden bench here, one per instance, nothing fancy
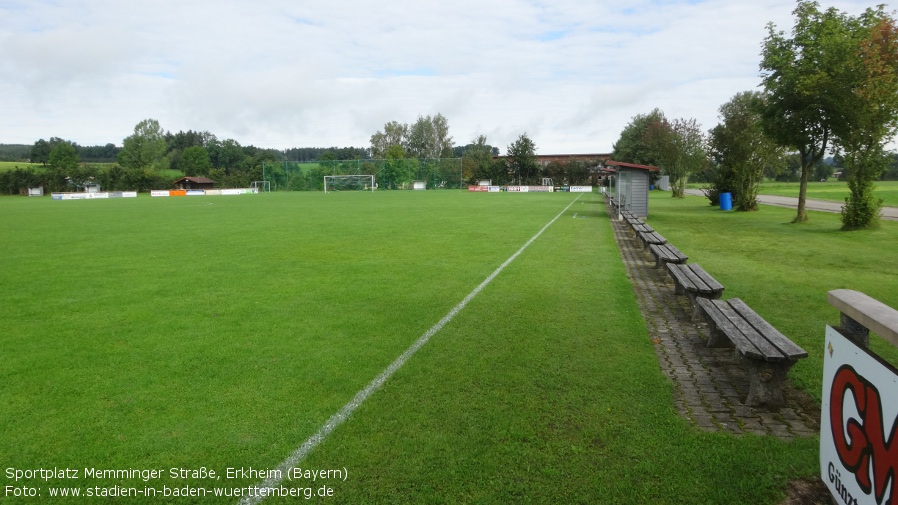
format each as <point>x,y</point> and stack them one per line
<point>642,228</point>
<point>666,253</point>
<point>694,282</point>
<point>767,353</point>
<point>651,237</point>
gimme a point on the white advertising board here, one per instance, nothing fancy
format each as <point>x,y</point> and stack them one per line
<point>581,189</point>
<point>858,424</point>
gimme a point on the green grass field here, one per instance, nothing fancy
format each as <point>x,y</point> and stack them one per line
<point>12,165</point>
<point>222,332</point>
<point>833,190</point>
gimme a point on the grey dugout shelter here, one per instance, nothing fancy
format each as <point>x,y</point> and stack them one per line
<point>631,186</point>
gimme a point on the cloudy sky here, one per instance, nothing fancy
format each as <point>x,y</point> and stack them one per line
<point>277,73</point>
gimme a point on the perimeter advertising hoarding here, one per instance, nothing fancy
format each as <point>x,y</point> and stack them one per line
<point>581,189</point>
<point>858,424</point>
<point>93,196</point>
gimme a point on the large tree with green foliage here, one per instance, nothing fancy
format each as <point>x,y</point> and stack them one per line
<point>833,86</point>
<point>740,150</point>
<point>802,77</point>
<point>428,137</point>
<point>63,162</point>
<point>632,146</point>
<point>398,169</point>
<point>394,134</point>
<point>869,114</point>
<point>522,161</point>
<point>679,149</point>
<point>145,148</point>
<point>477,161</point>
<point>194,160</point>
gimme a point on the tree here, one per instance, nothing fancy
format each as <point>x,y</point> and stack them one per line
<point>63,157</point>
<point>522,161</point>
<point>741,150</point>
<point>145,148</point>
<point>800,76</point>
<point>478,160</point>
<point>194,160</point>
<point>227,155</point>
<point>869,115</point>
<point>422,138</point>
<point>397,169</point>
<point>394,134</point>
<point>679,148</point>
<point>63,161</point>
<point>632,146</point>
<point>40,153</point>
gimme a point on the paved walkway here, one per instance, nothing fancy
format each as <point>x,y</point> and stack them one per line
<point>888,213</point>
<point>710,384</point>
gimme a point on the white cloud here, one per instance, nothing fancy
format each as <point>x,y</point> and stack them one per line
<point>283,74</point>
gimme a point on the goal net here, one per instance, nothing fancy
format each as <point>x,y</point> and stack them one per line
<point>348,183</point>
<point>260,186</point>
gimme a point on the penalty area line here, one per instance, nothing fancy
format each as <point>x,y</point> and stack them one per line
<point>343,414</point>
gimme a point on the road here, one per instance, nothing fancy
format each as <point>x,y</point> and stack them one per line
<point>889,213</point>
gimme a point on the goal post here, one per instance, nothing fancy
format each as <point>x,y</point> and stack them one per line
<point>360,182</point>
<point>260,186</point>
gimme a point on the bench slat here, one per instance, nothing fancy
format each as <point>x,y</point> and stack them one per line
<point>714,286</point>
<point>760,346</point>
<point>697,282</point>
<point>666,253</point>
<point>675,253</point>
<point>681,276</point>
<point>660,252</point>
<point>652,238</point>
<point>790,349</point>
<point>724,324</point>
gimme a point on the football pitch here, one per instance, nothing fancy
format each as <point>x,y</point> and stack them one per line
<point>186,350</point>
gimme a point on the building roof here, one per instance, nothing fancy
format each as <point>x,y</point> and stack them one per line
<point>198,180</point>
<point>566,157</point>
<point>631,165</point>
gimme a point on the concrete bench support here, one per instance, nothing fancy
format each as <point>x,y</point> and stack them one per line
<point>860,314</point>
<point>767,353</point>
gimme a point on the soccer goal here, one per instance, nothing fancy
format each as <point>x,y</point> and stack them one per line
<point>260,186</point>
<point>348,183</point>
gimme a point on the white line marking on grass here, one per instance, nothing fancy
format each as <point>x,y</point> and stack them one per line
<point>337,419</point>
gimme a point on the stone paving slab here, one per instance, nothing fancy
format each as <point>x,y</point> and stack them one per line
<point>710,385</point>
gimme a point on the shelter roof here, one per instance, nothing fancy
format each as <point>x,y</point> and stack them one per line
<point>198,180</point>
<point>631,165</point>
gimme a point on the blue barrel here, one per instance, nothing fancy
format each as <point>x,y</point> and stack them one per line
<point>726,201</point>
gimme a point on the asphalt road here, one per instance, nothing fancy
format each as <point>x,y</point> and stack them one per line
<point>889,213</point>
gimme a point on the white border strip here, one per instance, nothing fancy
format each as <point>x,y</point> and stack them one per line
<point>337,419</point>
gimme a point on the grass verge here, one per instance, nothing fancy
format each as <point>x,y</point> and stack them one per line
<point>784,270</point>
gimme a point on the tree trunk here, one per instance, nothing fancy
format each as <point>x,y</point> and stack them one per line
<point>806,168</point>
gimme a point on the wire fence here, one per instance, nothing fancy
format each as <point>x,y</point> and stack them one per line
<point>434,173</point>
